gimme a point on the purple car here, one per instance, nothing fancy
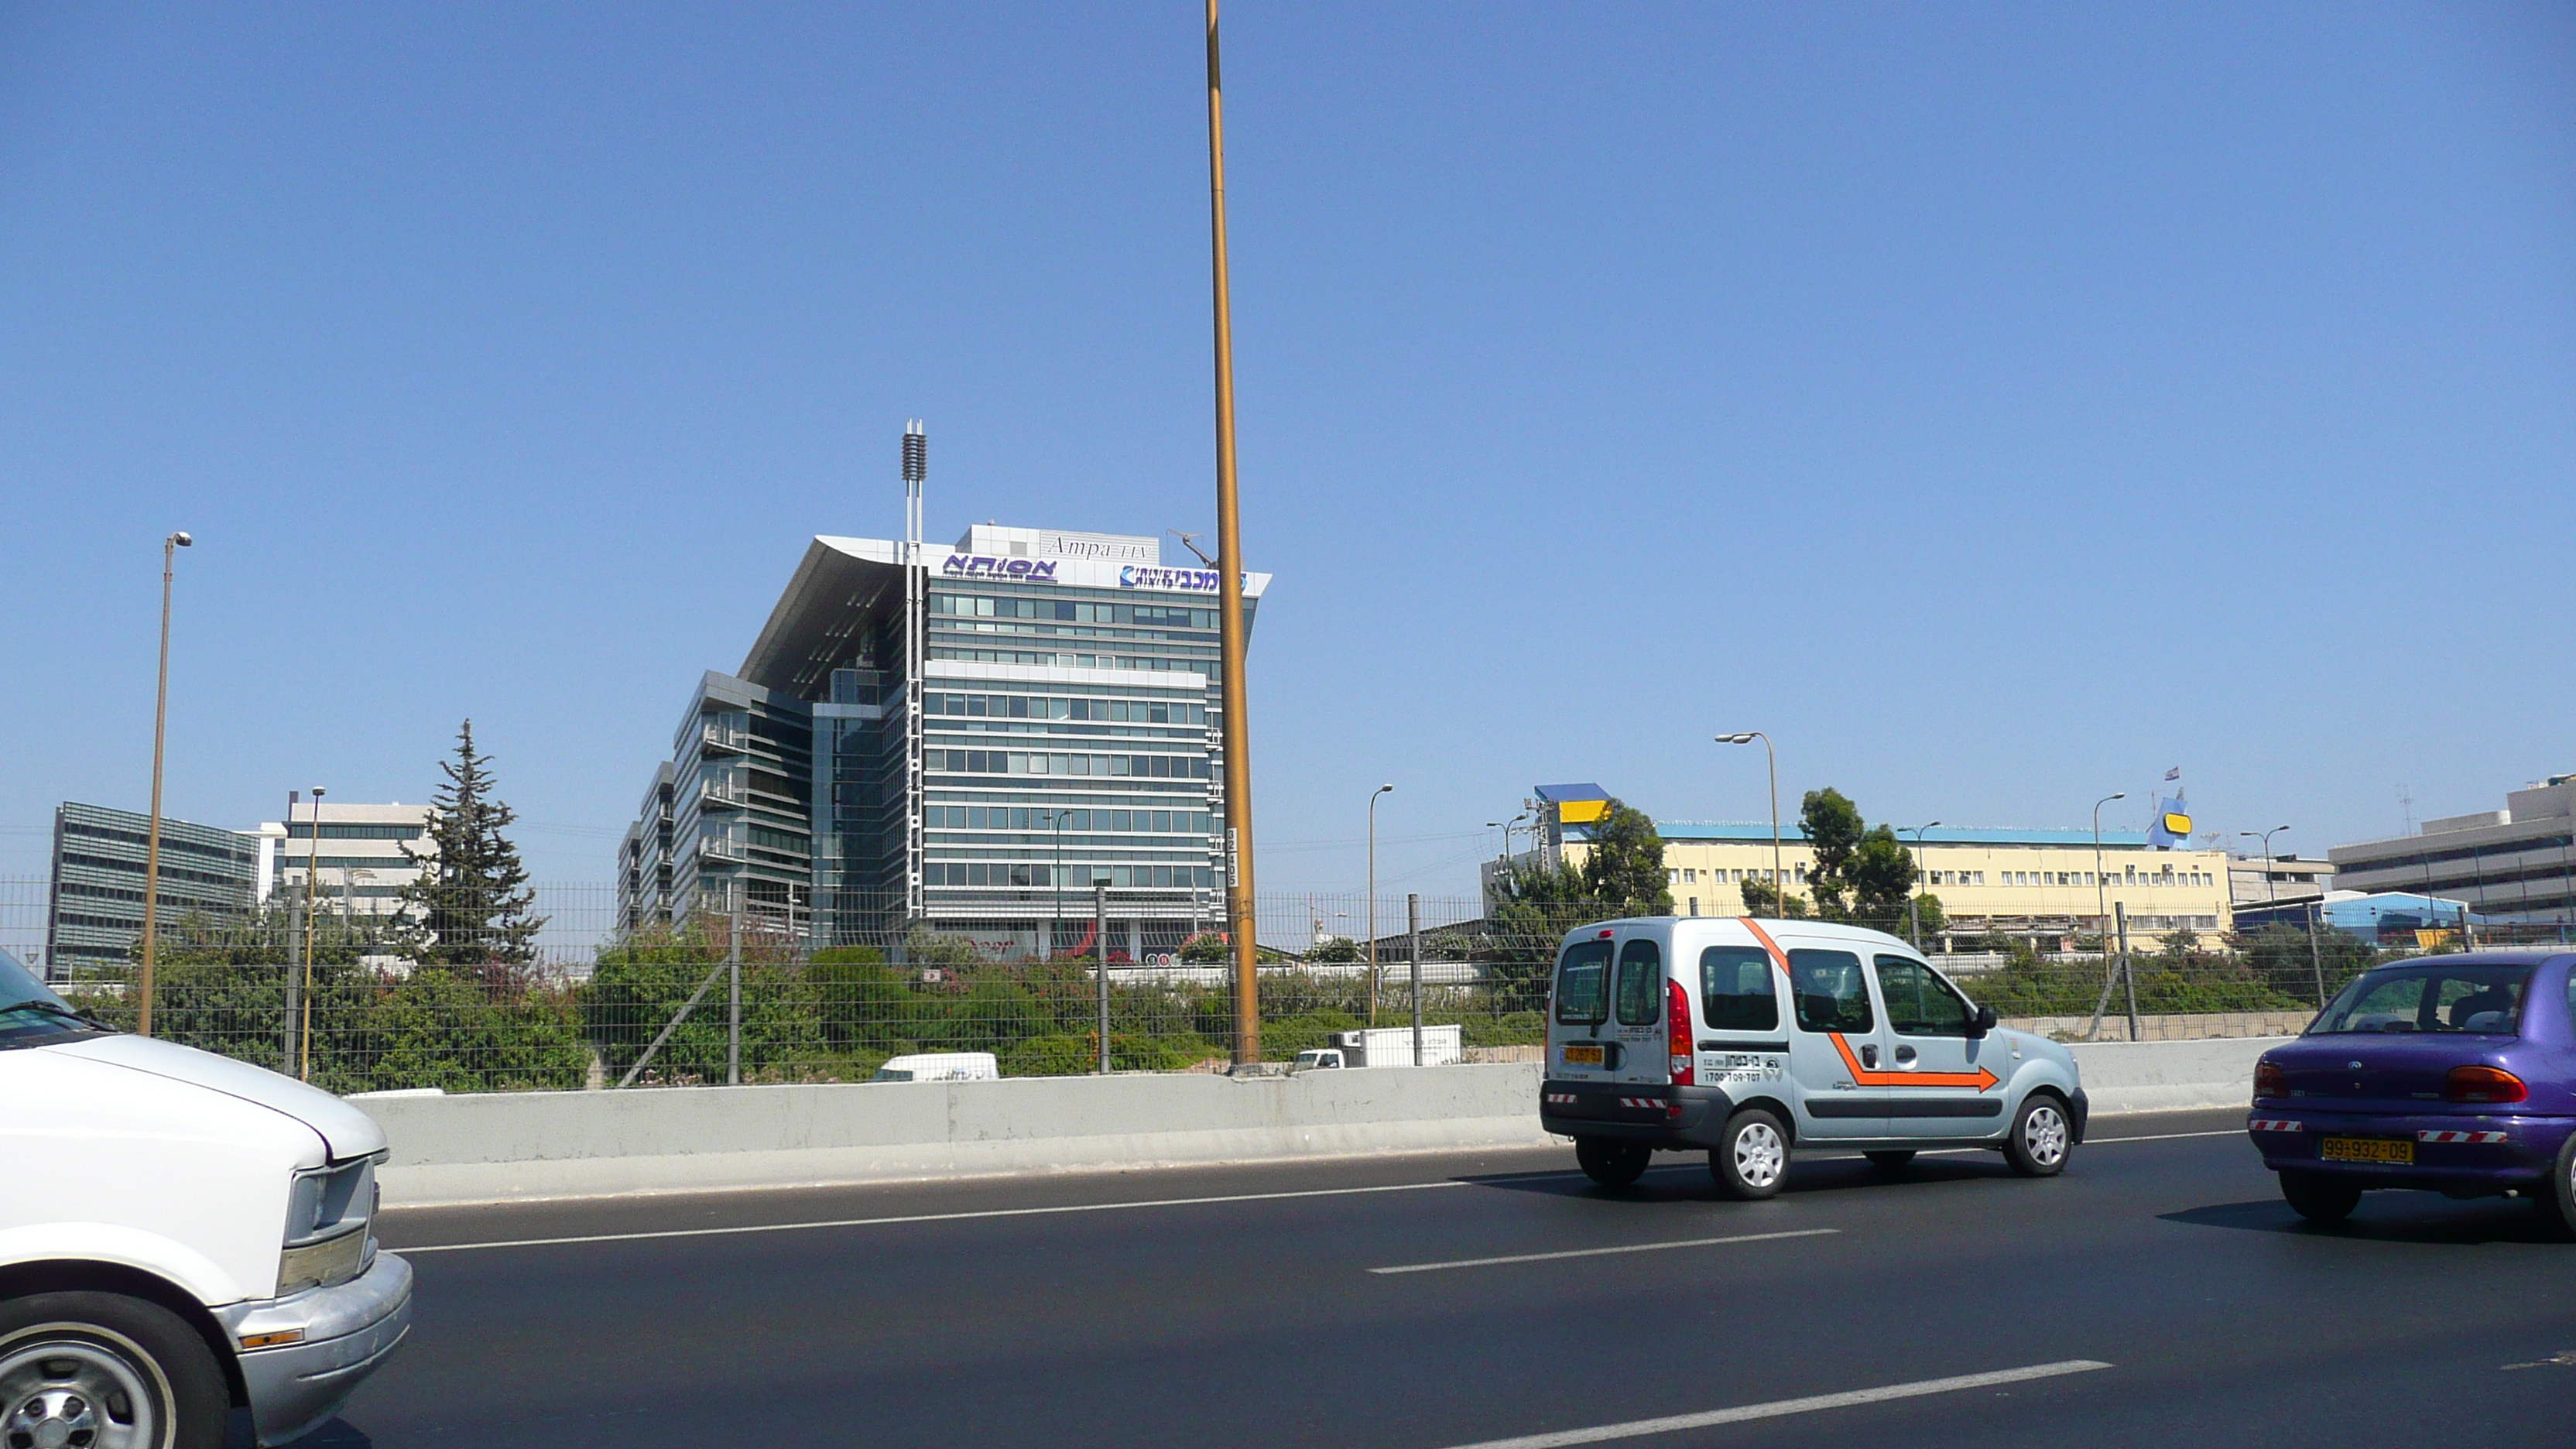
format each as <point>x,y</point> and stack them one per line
<point>2453,1073</point>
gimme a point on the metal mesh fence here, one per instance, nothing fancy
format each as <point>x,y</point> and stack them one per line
<point>561,996</point>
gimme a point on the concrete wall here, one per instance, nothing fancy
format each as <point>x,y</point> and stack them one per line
<point>502,1146</point>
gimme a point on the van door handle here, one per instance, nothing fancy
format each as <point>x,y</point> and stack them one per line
<point>1904,1054</point>
<point>1869,1055</point>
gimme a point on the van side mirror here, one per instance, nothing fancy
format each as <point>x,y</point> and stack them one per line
<point>1986,1021</point>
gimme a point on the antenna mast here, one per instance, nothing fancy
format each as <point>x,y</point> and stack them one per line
<point>916,471</point>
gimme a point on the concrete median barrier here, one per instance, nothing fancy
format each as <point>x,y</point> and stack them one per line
<point>502,1146</point>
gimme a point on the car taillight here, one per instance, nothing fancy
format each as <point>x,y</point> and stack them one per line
<point>1677,1028</point>
<point>2268,1081</point>
<point>2483,1084</point>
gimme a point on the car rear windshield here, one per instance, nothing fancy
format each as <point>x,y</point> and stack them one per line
<point>2426,997</point>
<point>1583,984</point>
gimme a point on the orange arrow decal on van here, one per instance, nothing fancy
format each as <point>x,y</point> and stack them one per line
<point>1980,1079</point>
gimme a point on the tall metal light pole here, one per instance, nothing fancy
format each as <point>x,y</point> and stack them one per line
<point>152,838</point>
<point>1779,876</point>
<point>1239,911</point>
<point>2101,912</point>
<point>1372,900</point>
<point>1913,911</point>
<point>1056,926</point>
<point>312,873</point>
<point>2271,894</point>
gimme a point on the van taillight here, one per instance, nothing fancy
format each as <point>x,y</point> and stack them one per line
<point>2268,1081</point>
<point>2483,1084</point>
<point>1677,1028</point>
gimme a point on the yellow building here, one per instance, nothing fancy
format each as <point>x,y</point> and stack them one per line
<point>2037,883</point>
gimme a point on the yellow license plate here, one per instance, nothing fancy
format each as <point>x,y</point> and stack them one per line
<point>2365,1149</point>
<point>1583,1056</point>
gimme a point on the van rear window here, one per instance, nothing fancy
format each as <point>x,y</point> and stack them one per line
<point>1583,984</point>
<point>1641,984</point>
<point>1735,990</point>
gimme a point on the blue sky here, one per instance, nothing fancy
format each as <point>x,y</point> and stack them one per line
<point>1997,405</point>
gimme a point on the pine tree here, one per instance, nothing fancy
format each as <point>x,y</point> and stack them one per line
<point>469,908</point>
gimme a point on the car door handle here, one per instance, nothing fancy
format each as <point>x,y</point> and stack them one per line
<point>1869,1056</point>
<point>1904,1054</point>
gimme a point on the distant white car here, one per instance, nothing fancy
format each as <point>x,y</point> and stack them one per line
<point>940,1067</point>
<point>1315,1057</point>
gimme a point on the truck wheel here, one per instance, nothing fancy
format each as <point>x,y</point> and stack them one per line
<point>2041,1140</point>
<point>1612,1164</point>
<point>104,1371</point>
<point>1751,1157</point>
<point>2317,1198</point>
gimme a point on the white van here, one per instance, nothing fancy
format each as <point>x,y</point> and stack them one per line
<point>940,1067</point>
<point>180,1235</point>
<point>1748,1038</point>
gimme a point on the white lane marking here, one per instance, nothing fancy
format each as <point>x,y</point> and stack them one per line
<point>1096,1207</point>
<point>1028,1212</point>
<point>1606,1252</point>
<point>1779,1408</point>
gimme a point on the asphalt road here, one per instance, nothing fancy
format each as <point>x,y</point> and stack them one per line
<point>1155,1312</point>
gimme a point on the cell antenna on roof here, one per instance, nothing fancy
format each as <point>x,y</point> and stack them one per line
<point>916,472</point>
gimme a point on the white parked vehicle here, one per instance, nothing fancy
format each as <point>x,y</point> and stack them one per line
<point>1392,1046</point>
<point>1749,1038</point>
<point>1314,1059</point>
<point>940,1067</point>
<point>180,1235</point>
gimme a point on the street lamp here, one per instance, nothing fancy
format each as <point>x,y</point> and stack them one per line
<point>1372,899</point>
<point>1913,911</point>
<point>2271,894</point>
<point>1055,927</point>
<point>1779,878</point>
<point>2102,912</point>
<point>152,844</point>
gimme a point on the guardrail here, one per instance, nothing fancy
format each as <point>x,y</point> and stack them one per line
<point>498,1146</point>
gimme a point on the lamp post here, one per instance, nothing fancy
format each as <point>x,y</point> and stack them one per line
<point>2101,884</point>
<point>1372,899</point>
<point>152,840</point>
<point>1914,912</point>
<point>1779,877</point>
<point>1055,927</point>
<point>2271,893</point>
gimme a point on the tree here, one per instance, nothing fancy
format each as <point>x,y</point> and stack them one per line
<point>1334,949</point>
<point>1834,834</point>
<point>468,909</point>
<point>1207,948</point>
<point>1624,871</point>
<point>1929,914</point>
<point>1881,874</point>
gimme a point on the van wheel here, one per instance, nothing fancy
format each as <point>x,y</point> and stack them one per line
<point>2557,1196</point>
<point>1612,1164</point>
<point>2041,1140</point>
<point>104,1371</point>
<point>2317,1198</point>
<point>1751,1157</point>
<point>1891,1159</point>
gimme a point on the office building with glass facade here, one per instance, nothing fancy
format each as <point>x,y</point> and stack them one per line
<point>967,745</point>
<point>96,912</point>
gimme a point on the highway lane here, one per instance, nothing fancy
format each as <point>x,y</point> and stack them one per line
<point>1139,1309</point>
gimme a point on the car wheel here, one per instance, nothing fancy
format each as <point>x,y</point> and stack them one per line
<point>1612,1164</point>
<point>2041,1139</point>
<point>1751,1157</point>
<point>1891,1159</point>
<point>2318,1198</point>
<point>2557,1196</point>
<point>104,1371</point>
